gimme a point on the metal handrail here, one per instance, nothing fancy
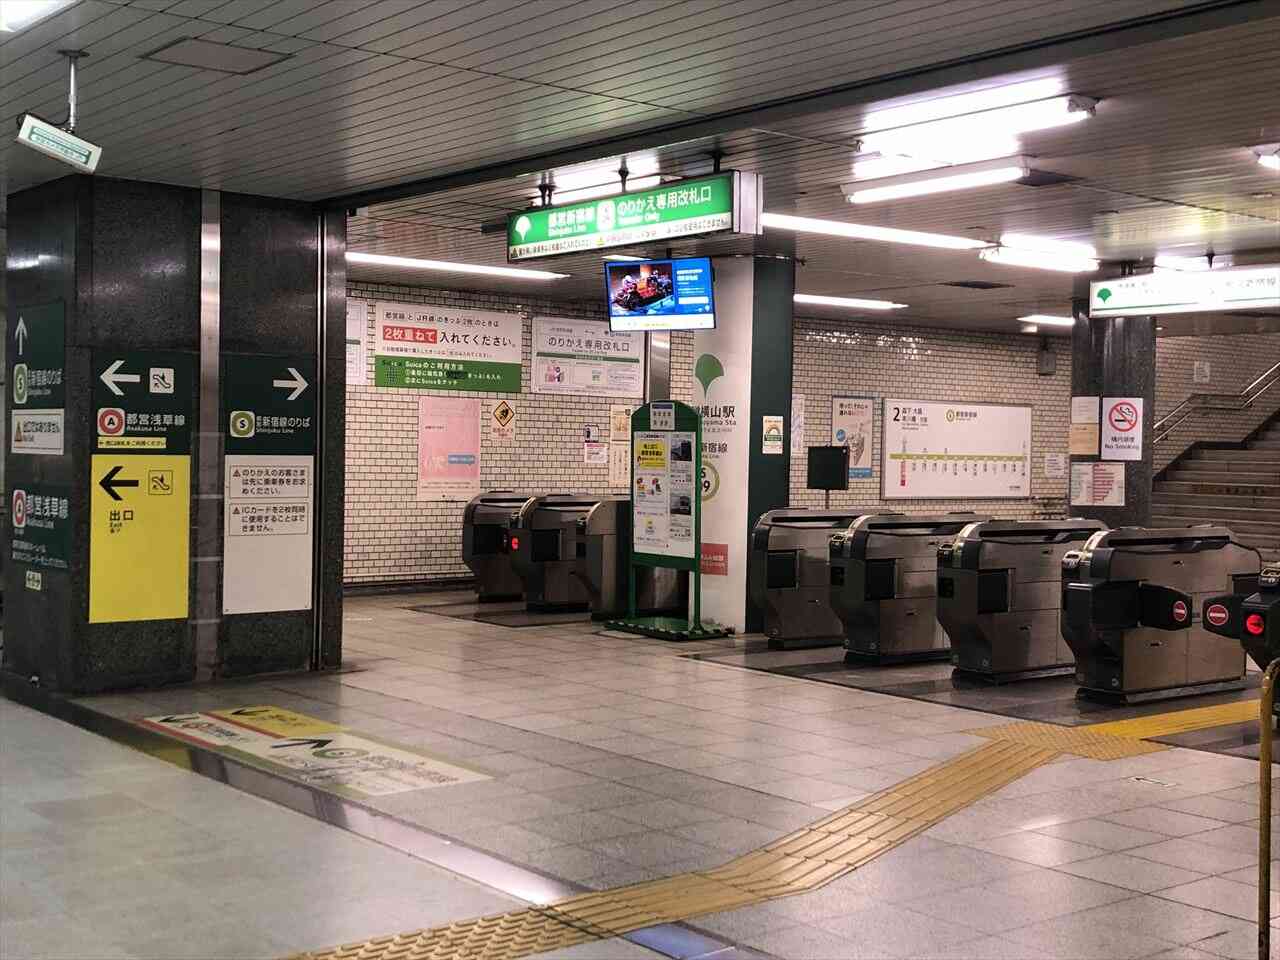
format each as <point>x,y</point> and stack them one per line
<point>1204,401</point>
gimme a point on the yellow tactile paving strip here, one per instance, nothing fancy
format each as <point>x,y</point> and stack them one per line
<point>797,863</point>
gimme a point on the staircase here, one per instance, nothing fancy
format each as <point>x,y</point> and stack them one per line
<point>1237,488</point>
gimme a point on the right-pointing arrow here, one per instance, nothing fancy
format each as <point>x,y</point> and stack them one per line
<point>297,384</point>
<point>112,376</point>
<point>110,484</point>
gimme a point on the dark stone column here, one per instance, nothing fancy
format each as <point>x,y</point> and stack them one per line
<point>1116,357</point>
<point>123,261</point>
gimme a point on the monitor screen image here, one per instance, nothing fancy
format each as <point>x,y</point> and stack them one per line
<point>660,294</point>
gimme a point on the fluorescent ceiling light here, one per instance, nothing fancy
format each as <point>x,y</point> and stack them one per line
<point>860,231</point>
<point>621,257</point>
<point>958,104</point>
<point>958,177</point>
<point>446,266</point>
<point>1066,248</point>
<point>573,184</point>
<point>990,132</point>
<point>1030,328</point>
<point>1013,257</point>
<point>856,303</point>
<point>20,14</point>
<point>1047,320</point>
<point>1168,261</point>
<point>1268,155</point>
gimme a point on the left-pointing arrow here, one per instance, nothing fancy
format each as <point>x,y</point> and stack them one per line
<point>112,377</point>
<point>111,483</point>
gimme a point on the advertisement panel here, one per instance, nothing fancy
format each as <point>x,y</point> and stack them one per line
<point>448,448</point>
<point>426,347</point>
<point>852,426</point>
<point>661,295</point>
<point>947,450</point>
<point>581,358</point>
<point>663,493</point>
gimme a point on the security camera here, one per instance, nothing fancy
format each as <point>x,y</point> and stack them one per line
<point>55,142</point>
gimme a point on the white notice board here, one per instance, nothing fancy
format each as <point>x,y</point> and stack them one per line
<point>947,450</point>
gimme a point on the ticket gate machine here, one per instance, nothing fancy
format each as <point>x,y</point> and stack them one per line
<point>602,551</point>
<point>1131,601</point>
<point>484,544</point>
<point>789,576</point>
<point>884,576</point>
<point>542,539</point>
<point>1251,617</point>
<point>1000,596</point>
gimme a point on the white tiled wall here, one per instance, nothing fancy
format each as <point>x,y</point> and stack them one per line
<point>390,536</point>
<point>877,359</point>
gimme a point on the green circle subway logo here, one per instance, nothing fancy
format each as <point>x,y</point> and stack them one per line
<point>19,383</point>
<point>710,481</point>
<point>243,424</point>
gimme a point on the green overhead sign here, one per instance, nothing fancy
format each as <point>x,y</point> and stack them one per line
<point>724,202</point>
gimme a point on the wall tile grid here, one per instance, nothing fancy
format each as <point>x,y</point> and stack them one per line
<point>390,535</point>
<point>1234,362</point>
<point>923,363</point>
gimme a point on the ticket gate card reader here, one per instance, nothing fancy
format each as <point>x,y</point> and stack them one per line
<point>542,540</point>
<point>884,581</point>
<point>1000,594</point>
<point>602,551</point>
<point>484,544</point>
<point>1131,602</point>
<point>1249,614</point>
<point>788,573</point>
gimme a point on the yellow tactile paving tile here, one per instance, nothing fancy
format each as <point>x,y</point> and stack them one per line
<point>1181,721</point>
<point>1080,741</point>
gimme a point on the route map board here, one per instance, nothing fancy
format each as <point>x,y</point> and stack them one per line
<point>937,449</point>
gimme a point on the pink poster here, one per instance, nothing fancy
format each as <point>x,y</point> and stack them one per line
<point>448,448</point>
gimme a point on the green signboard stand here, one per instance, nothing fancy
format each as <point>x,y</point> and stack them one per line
<point>666,514</point>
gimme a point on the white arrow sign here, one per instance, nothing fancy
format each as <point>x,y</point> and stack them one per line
<point>297,384</point>
<point>21,334</point>
<point>112,375</point>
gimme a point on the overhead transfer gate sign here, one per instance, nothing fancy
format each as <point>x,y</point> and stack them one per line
<point>724,202</point>
<point>1176,291</point>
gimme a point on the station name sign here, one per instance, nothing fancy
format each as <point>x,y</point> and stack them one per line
<point>1173,291</point>
<point>727,202</point>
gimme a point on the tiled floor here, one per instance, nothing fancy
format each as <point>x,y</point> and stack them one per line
<point>617,759</point>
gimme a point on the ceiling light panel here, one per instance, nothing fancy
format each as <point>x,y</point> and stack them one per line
<point>222,57</point>
<point>861,231</point>
<point>853,303</point>
<point>958,177</point>
<point>19,14</point>
<point>1047,320</point>
<point>448,266</point>
<point>1033,259</point>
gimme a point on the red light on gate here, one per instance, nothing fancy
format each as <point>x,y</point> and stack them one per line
<point>515,543</point>
<point>1255,624</point>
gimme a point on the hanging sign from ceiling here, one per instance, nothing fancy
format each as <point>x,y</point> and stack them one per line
<point>1175,291</point>
<point>727,202</point>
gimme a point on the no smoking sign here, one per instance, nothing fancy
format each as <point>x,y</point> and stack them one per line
<point>1122,428</point>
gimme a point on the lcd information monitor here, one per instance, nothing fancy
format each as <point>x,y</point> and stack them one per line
<point>660,294</point>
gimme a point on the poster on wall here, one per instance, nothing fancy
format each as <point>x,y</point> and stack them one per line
<point>1085,433</point>
<point>1201,372</point>
<point>771,432</point>
<point>1097,484</point>
<point>448,448</point>
<point>620,463</point>
<point>620,422</point>
<point>663,492</point>
<point>357,346</point>
<point>945,450</point>
<point>1055,466</point>
<point>424,347</point>
<point>502,428</point>
<point>583,358</point>
<point>852,420</point>
<point>1122,428</point>
<point>798,427</point>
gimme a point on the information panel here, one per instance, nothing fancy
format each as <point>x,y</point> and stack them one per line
<point>269,409</point>
<point>37,360</point>
<point>944,450</point>
<point>574,357</point>
<point>427,347</point>
<point>663,493</point>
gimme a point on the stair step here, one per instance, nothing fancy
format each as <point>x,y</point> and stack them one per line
<point>1218,489</point>
<point>1235,456</point>
<point>1212,507</point>
<point>1228,475</point>
<point>1163,495</point>
<point>1188,519</point>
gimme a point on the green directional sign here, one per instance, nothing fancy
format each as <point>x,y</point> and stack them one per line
<point>41,525</point>
<point>723,202</point>
<point>269,405</point>
<point>142,401</point>
<point>37,362</point>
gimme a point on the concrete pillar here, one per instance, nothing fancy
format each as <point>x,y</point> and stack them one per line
<point>742,385</point>
<point>164,331</point>
<point>1116,358</point>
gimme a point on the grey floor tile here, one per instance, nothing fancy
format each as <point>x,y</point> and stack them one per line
<point>1132,873</point>
<point>742,926</point>
<point>102,806</point>
<point>652,849</point>
<point>1163,919</point>
<point>1187,853</point>
<point>1172,823</point>
<point>1037,848</point>
<point>988,948</point>
<point>811,943</point>
<point>1102,834</point>
<point>731,835</point>
<point>584,826</point>
<point>664,814</point>
<point>898,932</point>
<point>1079,937</point>
<point>1222,896</point>
<point>1024,899</point>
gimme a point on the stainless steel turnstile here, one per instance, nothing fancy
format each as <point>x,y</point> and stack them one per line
<point>884,574</point>
<point>1249,614</point>
<point>543,539</point>
<point>1000,595</point>
<point>484,544</point>
<point>1131,611</point>
<point>789,576</point>
<point>602,553</point>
